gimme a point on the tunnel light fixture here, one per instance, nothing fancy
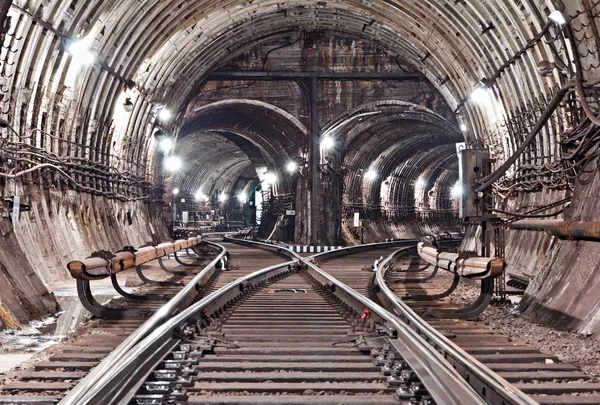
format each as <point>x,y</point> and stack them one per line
<point>242,198</point>
<point>558,17</point>
<point>173,163</point>
<point>166,144</point>
<point>175,191</point>
<point>292,167</point>
<point>457,190</point>
<point>371,174</point>
<point>463,127</point>
<point>80,51</point>
<point>128,105</point>
<point>200,196</point>
<point>420,183</point>
<point>327,143</point>
<point>164,114</point>
<point>479,95</point>
<point>223,197</point>
<point>270,178</point>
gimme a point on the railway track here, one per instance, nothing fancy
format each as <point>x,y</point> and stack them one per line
<point>285,334</point>
<point>72,360</point>
<point>293,333</point>
<point>541,376</point>
<point>287,343</point>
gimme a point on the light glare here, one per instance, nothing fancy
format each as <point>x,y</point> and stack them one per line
<point>164,114</point>
<point>457,190</point>
<point>558,17</point>
<point>223,197</point>
<point>200,196</point>
<point>175,191</point>
<point>173,163</point>
<point>371,175</point>
<point>80,51</point>
<point>463,127</point>
<point>420,183</point>
<point>292,167</point>
<point>166,144</point>
<point>270,178</point>
<point>327,143</point>
<point>241,198</point>
<point>479,95</point>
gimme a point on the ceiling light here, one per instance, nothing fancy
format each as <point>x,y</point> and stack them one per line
<point>558,17</point>
<point>457,190</point>
<point>164,114</point>
<point>165,144</point>
<point>479,95</point>
<point>242,198</point>
<point>200,196</point>
<point>175,191</point>
<point>371,175</point>
<point>463,127</point>
<point>420,183</point>
<point>128,105</point>
<point>173,163</point>
<point>291,167</point>
<point>80,51</point>
<point>270,178</point>
<point>327,143</point>
<point>223,197</point>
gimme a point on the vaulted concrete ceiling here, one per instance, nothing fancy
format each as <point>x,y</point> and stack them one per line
<point>157,54</point>
<point>166,47</point>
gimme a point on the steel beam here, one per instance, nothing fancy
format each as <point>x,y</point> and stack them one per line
<point>250,75</point>
<point>315,159</point>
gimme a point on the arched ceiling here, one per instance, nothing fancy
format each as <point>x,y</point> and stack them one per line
<point>263,135</point>
<point>165,47</point>
<point>401,143</point>
<point>157,52</point>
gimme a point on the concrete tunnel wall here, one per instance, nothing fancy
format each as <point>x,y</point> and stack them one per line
<point>453,45</point>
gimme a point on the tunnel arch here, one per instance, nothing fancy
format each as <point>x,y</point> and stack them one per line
<point>157,53</point>
<point>268,136</point>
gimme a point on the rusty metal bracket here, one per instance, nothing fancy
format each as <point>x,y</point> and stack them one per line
<point>421,280</point>
<point>450,290</point>
<point>175,272</point>
<point>88,301</point>
<point>427,265</point>
<point>117,287</point>
<point>142,276</point>
<point>178,260</point>
<point>470,311</point>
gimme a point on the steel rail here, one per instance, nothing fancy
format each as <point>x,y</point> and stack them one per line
<point>481,378</point>
<point>181,300</point>
<point>438,376</point>
<point>120,383</point>
<point>444,384</point>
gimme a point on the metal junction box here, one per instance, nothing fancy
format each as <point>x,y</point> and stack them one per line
<point>475,164</point>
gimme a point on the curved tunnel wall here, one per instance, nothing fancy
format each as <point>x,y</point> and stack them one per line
<point>156,53</point>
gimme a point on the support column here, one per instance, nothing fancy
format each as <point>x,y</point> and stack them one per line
<point>315,159</point>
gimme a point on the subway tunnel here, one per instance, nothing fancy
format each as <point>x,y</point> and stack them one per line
<point>312,123</point>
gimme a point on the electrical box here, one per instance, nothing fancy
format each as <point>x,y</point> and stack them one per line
<point>474,164</point>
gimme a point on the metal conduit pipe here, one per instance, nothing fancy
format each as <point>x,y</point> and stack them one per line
<point>471,267</point>
<point>561,229</point>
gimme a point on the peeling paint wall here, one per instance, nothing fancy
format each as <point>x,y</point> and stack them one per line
<point>23,297</point>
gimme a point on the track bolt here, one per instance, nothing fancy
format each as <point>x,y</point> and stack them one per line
<point>404,393</point>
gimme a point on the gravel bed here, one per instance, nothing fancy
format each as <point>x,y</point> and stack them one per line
<point>576,349</point>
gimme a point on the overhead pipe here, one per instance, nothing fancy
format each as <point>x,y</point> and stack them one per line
<point>560,228</point>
